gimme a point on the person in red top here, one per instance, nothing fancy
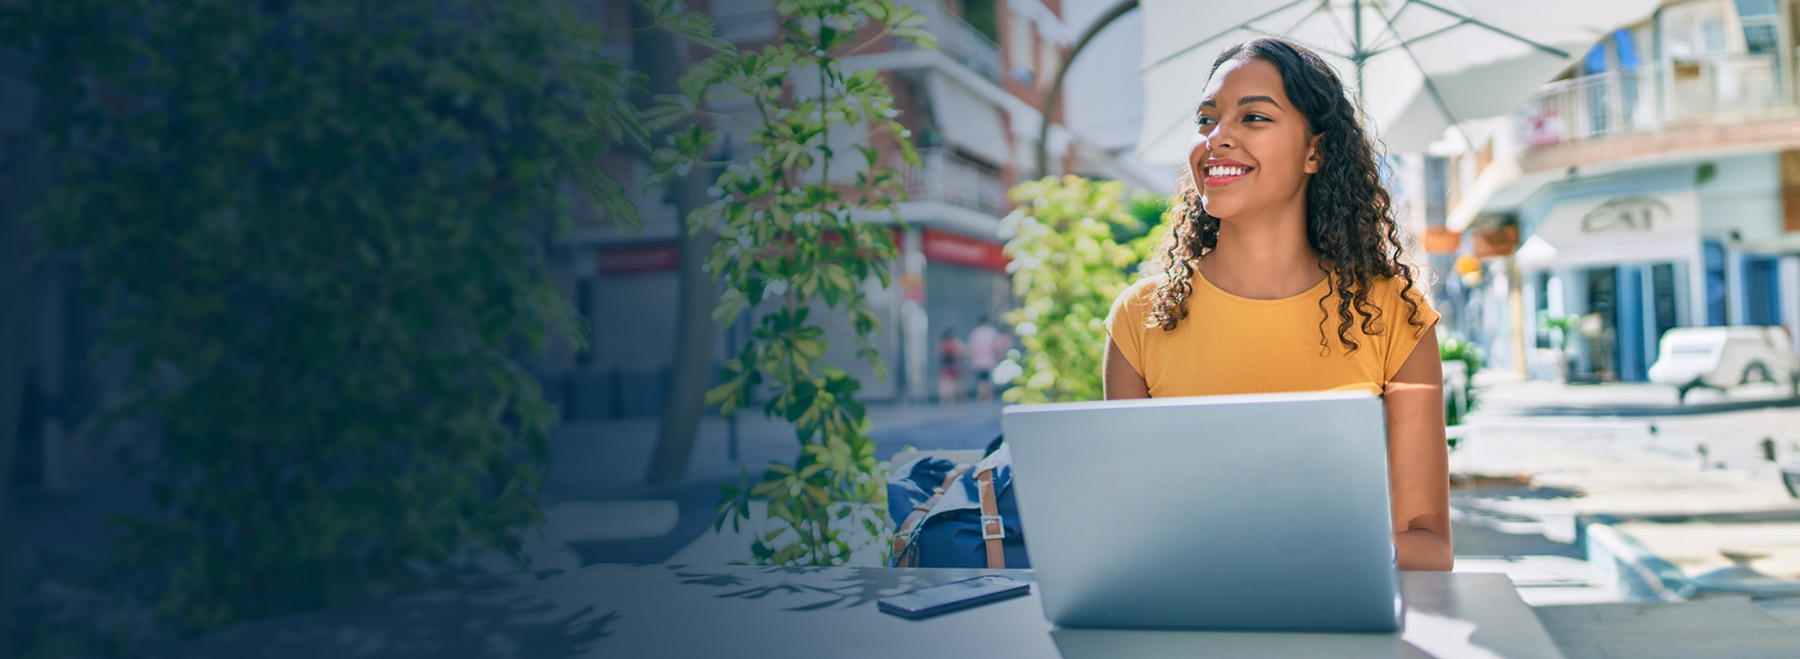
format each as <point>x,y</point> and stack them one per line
<point>950,369</point>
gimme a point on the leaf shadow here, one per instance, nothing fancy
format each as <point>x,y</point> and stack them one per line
<point>841,587</point>
<point>432,624</point>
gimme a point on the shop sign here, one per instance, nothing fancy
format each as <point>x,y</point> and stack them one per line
<point>1599,231</point>
<point>1496,242</point>
<point>963,250</point>
<point>658,257</point>
<point>1627,215</point>
<point>1441,240</point>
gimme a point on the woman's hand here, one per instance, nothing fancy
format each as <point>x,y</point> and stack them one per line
<point>1418,461</point>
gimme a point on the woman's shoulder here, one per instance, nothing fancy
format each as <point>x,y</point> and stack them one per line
<point>1396,286</point>
<point>1136,300</point>
<point>1139,293</point>
<point>1395,292</point>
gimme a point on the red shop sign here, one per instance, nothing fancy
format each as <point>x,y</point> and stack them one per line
<point>659,257</point>
<point>963,250</point>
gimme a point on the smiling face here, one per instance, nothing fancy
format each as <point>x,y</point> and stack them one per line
<point>1253,150</point>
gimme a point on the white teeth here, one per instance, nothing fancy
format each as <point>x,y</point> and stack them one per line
<point>1225,171</point>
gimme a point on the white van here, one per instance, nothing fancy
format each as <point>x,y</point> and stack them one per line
<point>1721,357</point>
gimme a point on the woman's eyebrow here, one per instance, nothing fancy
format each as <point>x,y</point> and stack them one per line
<point>1208,103</point>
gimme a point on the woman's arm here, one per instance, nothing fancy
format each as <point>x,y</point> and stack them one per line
<point>1118,379</point>
<point>1418,462</point>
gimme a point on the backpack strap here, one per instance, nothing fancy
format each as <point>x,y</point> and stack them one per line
<point>920,511</point>
<point>992,530</point>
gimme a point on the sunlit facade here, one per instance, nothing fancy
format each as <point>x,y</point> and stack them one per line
<point>972,107</point>
<point>1655,185</point>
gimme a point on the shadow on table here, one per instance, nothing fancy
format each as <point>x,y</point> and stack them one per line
<point>498,623</point>
<point>859,587</point>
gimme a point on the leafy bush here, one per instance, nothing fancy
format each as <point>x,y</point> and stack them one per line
<point>1067,268</point>
<point>790,238</point>
<point>1469,355</point>
<point>315,227</point>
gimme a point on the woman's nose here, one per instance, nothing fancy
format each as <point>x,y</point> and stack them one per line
<point>1201,143</point>
<point>1216,136</point>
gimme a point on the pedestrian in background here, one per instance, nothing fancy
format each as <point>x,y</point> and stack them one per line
<point>986,346</point>
<point>950,354</point>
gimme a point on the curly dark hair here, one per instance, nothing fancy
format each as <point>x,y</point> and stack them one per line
<point>1348,218</point>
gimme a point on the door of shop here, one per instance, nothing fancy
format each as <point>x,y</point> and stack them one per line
<point>1600,326</point>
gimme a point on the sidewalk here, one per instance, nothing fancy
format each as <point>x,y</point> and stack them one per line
<point>601,510</point>
<point>1679,511</point>
<point>1503,393</point>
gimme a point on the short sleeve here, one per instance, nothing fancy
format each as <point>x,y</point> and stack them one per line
<point>1125,324</point>
<point>1402,335</point>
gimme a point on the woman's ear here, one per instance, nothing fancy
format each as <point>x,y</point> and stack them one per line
<point>1314,155</point>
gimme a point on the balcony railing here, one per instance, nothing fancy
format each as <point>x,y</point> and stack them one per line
<point>1726,89</point>
<point>947,177</point>
<point>956,38</point>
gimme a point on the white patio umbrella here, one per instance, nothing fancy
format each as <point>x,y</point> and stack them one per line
<point>1421,66</point>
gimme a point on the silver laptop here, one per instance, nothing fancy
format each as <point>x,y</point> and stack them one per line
<point>1263,512</point>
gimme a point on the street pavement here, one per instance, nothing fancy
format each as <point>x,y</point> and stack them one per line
<point>1537,462</point>
<point>1686,487</point>
<point>600,466</point>
<point>1679,513</point>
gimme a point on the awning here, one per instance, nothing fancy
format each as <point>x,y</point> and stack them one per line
<point>1418,67</point>
<point>966,121</point>
<point>1636,228</point>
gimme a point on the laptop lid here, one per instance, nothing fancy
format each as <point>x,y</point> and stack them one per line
<point>1261,512</point>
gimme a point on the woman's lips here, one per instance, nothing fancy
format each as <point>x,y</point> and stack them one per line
<point>1222,175</point>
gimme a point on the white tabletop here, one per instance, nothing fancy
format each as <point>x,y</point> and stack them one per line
<point>739,611</point>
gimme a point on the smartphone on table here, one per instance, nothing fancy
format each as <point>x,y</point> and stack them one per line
<point>953,596</point>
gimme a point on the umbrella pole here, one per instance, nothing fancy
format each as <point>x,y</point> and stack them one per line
<point>1357,56</point>
<point>1043,147</point>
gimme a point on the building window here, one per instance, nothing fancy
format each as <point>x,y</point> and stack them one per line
<point>1716,299</point>
<point>982,15</point>
<point>1436,190</point>
<point>745,20</point>
<point>1020,48</point>
<point>1540,285</point>
<point>1662,295</point>
<point>1050,60</point>
<point>1762,280</point>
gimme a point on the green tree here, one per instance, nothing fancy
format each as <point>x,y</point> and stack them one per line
<point>315,226</point>
<point>1067,268</point>
<point>792,242</point>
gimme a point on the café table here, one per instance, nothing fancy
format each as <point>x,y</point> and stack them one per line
<point>667,610</point>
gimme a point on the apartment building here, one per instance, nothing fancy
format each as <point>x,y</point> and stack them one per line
<point>1655,185</point>
<point>973,108</point>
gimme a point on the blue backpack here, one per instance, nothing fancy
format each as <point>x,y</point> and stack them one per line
<point>953,515</point>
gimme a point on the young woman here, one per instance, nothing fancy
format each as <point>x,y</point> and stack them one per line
<point>1283,272</point>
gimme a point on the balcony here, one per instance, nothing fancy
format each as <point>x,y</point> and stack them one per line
<point>946,177</point>
<point>956,38</point>
<point>1729,89</point>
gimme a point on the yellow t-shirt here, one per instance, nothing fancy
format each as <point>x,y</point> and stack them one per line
<point>1236,345</point>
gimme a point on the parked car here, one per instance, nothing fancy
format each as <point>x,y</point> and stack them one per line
<point>1722,357</point>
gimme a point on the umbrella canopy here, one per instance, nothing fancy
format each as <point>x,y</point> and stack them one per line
<point>1421,66</point>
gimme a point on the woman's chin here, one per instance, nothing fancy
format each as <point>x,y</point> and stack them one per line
<point>1218,208</point>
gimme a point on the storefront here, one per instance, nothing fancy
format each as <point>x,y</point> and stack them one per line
<point>958,280</point>
<point>1620,262</point>
<point>1631,254</point>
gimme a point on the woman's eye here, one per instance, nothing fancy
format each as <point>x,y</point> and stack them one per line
<point>1204,121</point>
<point>1255,117</point>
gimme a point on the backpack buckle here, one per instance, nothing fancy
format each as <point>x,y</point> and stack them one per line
<point>991,528</point>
